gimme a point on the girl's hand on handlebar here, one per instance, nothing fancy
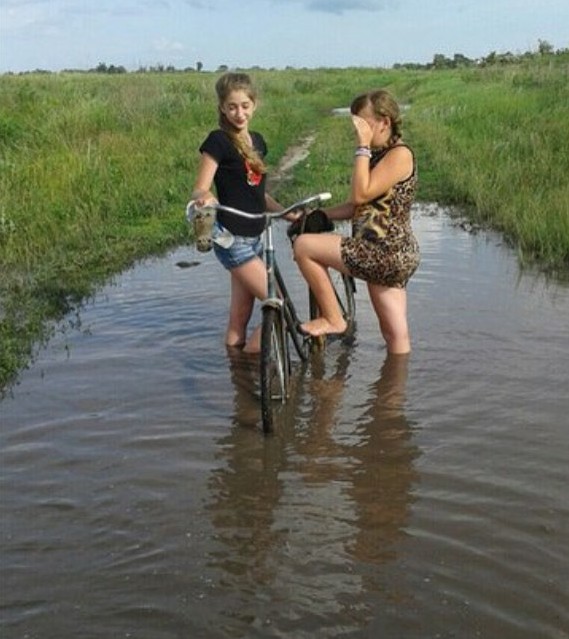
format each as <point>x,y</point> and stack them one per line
<point>202,199</point>
<point>316,222</point>
<point>203,203</point>
<point>293,216</point>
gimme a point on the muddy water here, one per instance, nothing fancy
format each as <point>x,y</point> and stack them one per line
<point>404,498</point>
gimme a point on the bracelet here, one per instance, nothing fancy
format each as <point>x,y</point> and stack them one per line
<point>363,151</point>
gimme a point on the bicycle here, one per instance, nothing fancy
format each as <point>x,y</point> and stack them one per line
<point>280,321</point>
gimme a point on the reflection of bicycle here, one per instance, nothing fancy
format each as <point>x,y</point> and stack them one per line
<point>280,321</point>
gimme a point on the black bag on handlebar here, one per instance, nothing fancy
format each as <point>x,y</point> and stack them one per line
<point>315,222</point>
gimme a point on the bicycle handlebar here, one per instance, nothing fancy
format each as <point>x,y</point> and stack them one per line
<point>302,205</point>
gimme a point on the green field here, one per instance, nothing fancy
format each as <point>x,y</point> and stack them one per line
<point>95,169</point>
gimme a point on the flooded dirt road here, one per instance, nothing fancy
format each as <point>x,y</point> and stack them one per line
<point>412,497</point>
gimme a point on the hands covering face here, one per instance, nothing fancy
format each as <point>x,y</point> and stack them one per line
<point>364,132</point>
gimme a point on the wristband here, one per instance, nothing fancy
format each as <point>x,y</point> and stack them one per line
<point>363,151</point>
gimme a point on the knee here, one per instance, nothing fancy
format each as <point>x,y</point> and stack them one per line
<point>396,336</point>
<point>300,248</point>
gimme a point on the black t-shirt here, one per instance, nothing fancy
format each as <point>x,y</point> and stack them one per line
<point>237,185</point>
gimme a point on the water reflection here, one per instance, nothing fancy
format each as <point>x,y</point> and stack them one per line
<point>324,491</point>
<point>139,497</point>
<point>371,454</point>
<point>382,483</point>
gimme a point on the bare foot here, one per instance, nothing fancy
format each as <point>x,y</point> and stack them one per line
<point>321,326</point>
<point>253,344</point>
<point>251,349</point>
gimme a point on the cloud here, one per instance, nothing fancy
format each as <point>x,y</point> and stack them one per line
<point>80,6</point>
<point>112,8</point>
<point>339,7</point>
<point>23,15</point>
<point>198,4</point>
<point>22,3</point>
<point>18,15</point>
<point>163,45</point>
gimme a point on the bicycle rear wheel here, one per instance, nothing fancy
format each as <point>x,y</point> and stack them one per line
<point>300,341</point>
<point>275,366</point>
<point>345,288</point>
<point>292,321</point>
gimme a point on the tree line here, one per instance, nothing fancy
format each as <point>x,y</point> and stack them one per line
<point>440,61</point>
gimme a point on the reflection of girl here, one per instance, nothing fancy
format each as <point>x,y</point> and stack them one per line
<point>374,464</point>
<point>245,490</point>
<point>381,488</point>
<point>232,158</point>
<point>383,250</point>
<point>316,504</point>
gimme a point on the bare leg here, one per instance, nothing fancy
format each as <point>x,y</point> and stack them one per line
<point>390,306</point>
<point>240,309</point>
<point>248,281</point>
<point>314,255</point>
<point>253,344</point>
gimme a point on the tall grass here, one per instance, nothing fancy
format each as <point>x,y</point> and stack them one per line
<point>498,140</point>
<point>95,169</point>
<point>92,171</point>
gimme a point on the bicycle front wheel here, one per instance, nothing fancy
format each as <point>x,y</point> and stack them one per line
<point>275,366</point>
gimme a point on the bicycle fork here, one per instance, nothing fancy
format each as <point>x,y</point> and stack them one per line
<point>273,300</point>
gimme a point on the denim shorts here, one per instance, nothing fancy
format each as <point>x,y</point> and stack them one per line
<point>241,250</point>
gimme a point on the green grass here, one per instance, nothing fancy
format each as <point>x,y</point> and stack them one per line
<point>499,142</point>
<point>95,170</point>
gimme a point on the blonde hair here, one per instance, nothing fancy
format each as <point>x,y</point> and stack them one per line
<point>225,85</point>
<point>384,106</point>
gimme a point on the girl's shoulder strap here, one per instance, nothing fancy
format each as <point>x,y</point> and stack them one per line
<point>398,145</point>
<point>379,154</point>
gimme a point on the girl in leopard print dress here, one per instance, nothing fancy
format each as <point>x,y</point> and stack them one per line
<point>383,250</point>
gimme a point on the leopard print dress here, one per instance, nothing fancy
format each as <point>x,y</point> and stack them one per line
<point>383,249</point>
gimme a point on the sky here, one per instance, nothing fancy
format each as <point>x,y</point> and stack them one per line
<point>79,34</point>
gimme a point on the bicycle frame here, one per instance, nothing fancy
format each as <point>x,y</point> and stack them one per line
<point>272,298</point>
<point>275,283</point>
<point>280,319</point>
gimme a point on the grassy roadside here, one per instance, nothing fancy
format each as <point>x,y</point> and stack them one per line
<point>95,170</point>
<point>494,142</point>
<point>497,141</point>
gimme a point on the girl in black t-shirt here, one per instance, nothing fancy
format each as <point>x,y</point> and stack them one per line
<point>232,159</point>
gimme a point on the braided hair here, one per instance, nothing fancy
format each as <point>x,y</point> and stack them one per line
<point>384,106</point>
<point>226,84</point>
